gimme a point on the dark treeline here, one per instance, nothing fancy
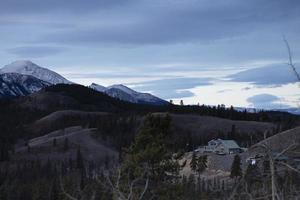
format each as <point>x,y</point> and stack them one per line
<point>90,99</point>
<point>36,180</point>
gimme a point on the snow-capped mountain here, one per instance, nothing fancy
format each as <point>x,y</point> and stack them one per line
<point>97,87</point>
<point>126,94</point>
<point>24,77</point>
<point>28,68</point>
<point>124,89</point>
<point>13,84</point>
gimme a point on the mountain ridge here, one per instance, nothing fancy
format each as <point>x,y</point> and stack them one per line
<point>125,93</point>
<point>48,77</point>
<point>14,84</point>
<point>26,67</point>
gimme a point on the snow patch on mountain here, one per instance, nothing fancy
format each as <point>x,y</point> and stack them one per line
<point>14,84</point>
<point>26,67</point>
<point>97,87</point>
<point>123,88</point>
<point>126,94</point>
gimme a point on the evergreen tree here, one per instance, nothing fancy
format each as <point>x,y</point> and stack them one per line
<point>4,151</point>
<point>223,185</point>
<point>82,180</point>
<point>79,160</point>
<point>54,193</point>
<point>54,142</point>
<point>191,188</point>
<point>28,149</point>
<point>66,144</point>
<point>266,167</point>
<point>151,150</point>
<point>181,102</point>
<point>232,133</point>
<point>201,164</point>
<point>236,170</point>
<point>252,174</point>
<point>193,163</point>
<point>106,161</point>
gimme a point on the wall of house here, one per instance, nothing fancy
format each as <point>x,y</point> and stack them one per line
<point>221,148</point>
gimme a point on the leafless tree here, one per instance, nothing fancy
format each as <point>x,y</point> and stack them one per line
<point>276,166</point>
<point>113,180</point>
<point>290,62</point>
<point>139,184</point>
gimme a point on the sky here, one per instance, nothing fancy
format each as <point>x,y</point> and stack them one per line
<point>201,51</point>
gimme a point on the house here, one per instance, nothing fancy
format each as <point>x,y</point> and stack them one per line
<point>222,147</point>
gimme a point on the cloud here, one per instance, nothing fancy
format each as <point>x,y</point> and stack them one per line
<point>171,88</point>
<point>166,38</point>
<point>246,88</point>
<point>109,75</point>
<point>170,22</point>
<point>266,101</point>
<point>35,51</point>
<point>225,90</point>
<point>45,6</point>
<point>158,31</point>
<point>271,75</point>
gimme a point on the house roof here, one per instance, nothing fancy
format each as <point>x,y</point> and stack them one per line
<point>230,144</point>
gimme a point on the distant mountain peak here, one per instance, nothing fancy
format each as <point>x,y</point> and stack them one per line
<point>97,87</point>
<point>27,67</point>
<point>22,62</point>
<point>19,65</point>
<point>127,94</point>
<point>123,88</point>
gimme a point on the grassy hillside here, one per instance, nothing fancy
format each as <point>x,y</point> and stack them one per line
<point>53,147</point>
<point>189,131</point>
<point>280,141</point>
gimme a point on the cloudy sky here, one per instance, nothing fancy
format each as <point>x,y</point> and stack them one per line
<point>201,51</point>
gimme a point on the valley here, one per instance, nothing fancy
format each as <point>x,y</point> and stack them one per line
<point>93,138</point>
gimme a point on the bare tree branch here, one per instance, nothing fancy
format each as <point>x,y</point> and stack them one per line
<point>286,150</point>
<point>234,192</point>
<point>289,166</point>
<point>145,189</point>
<point>290,63</point>
<point>64,192</point>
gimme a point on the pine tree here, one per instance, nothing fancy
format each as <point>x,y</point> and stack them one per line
<point>79,160</point>
<point>54,195</point>
<point>236,170</point>
<point>66,144</point>
<point>232,131</point>
<point>106,161</point>
<point>201,164</point>
<point>191,187</point>
<point>151,148</point>
<point>4,151</point>
<point>223,185</point>
<point>54,142</point>
<point>28,149</point>
<point>266,167</point>
<point>193,163</point>
<point>82,180</point>
<point>181,102</point>
<point>252,174</point>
